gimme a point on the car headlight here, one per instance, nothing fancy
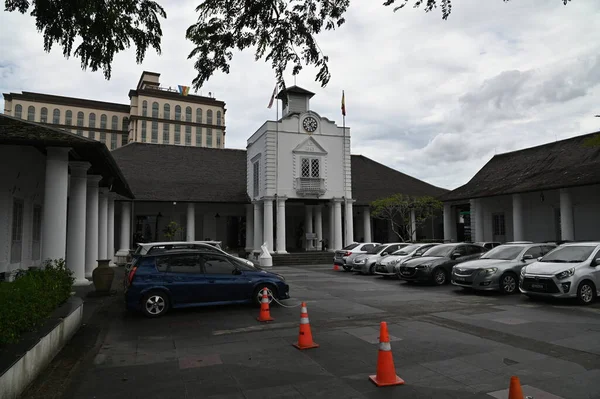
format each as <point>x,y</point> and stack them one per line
<point>424,266</point>
<point>359,261</point>
<point>280,276</point>
<point>489,270</point>
<point>565,274</point>
<point>523,270</point>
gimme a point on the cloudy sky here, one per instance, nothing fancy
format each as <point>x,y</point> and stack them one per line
<point>434,99</point>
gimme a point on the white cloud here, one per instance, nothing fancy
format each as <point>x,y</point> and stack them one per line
<point>432,98</point>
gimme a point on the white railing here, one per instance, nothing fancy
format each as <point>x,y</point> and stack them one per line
<point>310,185</point>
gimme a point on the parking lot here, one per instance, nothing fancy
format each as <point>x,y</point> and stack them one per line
<point>446,343</point>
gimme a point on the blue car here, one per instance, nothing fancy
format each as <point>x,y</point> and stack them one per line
<point>187,278</point>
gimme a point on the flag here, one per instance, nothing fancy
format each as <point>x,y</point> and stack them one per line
<point>183,90</point>
<point>343,103</point>
<point>272,97</point>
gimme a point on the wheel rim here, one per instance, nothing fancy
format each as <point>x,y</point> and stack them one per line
<point>509,284</point>
<point>155,304</point>
<point>586,293</point>
<point>269,295</point>
<point>440,277</point>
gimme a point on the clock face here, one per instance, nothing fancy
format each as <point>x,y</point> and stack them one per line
<point>309,124</point>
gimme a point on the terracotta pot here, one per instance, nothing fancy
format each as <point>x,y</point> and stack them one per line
<point>103,275</point>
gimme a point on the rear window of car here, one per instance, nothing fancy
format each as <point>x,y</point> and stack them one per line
<point>351,246</point>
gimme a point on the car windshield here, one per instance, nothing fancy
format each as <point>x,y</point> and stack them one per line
<point>376,249</point>
<point>406,250</point>
<point>440,250</point>
<point>351,246</point>
<point>570,254</point>
<point>503,252</point>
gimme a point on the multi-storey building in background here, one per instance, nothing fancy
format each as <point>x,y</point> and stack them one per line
<point>155,114</point>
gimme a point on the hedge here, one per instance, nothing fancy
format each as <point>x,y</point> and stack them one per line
<point>28,301</point>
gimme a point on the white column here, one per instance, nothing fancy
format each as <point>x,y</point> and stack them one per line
<point>367,224</point>
<point>249,228</point>
<point>110,226</point>
<point>268,223</point>
<point>102,223</point>
<point>349,223</point>
<point>319,225</point>
<point>91,227</point>
<point>54,226</point>
<point>281,225</point>
<point>125,229</point>
<point>413,226</point>
<point>308,225</point>
<point>258,226</point>
<point>191,222</point>
<point>76,222</point>
<point>517,205</point>
<point>337,243</point>
<point>448,227</point>
<point>331,246</point>
<point>479,233</point>
<point>566,215</point>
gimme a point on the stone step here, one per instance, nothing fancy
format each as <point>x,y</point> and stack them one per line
<point>303,258</point>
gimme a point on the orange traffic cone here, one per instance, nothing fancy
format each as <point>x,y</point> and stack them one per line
<point>264,315</point>
<point>514,390</point>
<point>386,373</point>
<point>305,340</point>
<point>336,267</point>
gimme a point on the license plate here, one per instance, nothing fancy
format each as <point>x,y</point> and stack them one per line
<point>538,286</point>
<point>460,279</point>
<point>405,272</point>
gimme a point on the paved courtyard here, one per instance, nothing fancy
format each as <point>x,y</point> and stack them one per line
<point>446,343</point>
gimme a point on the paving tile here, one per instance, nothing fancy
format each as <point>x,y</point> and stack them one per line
<point>199,361</point>
<point>276,392</point>
<point>369,334</point>
<point>451,367</point>
<point>511,320</point>
<point>329,388</point>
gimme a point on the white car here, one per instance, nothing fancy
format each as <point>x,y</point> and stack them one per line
<point>344,256</point>
<point>570,271</point>
<point>387,265</point>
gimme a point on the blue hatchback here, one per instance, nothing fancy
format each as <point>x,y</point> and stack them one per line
<point>186,278</point>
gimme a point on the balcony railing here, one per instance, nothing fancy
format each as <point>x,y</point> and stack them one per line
<point>310,186</point>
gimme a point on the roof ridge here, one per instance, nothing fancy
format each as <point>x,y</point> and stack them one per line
<point>552,143</point>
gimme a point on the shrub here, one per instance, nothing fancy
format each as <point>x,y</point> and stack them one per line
<point>31,298</point>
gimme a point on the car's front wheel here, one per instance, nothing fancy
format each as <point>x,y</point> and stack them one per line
<point>440,277</point>
<point>347,268</point>
<point>258,293</point>
<point>155,304</point>
<point>508,283</point>
<point>586,292</point>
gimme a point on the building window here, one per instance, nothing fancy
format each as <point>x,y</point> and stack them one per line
<point>167,111</point>
<point>18,111</point>
<point>209,117</point>
<point>198,136</point>
<point>177,113</point>
<point>155,109</point>
<point>188,135</point>
<point>143,131</point>
<point>166,133</point>
<point>188,114</point>
<point>114,125</point>
<point>103,137</point>
<point>256,178</point>
<point>44,115</point>
<point>113,141</point>
<point>56,116</point>
<point>155,129</point>
<point>68,118</point>
<point>177,134</point>
<point>124,138</point>
<point>31,113</point>
<point>80,122</point>
<point>36,236</point>
<point>219,138</point>
<point>310,167</point>
<point>103,121</point>
<point>145,108</point>
<point>198,115</point>
<point>92,124</point>
<point>209,142</point>
<point>498,224</point>
<point>219,118</point>
<point>125,126</point>
<point>17,231</point>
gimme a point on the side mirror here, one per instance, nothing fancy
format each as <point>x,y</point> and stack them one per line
<point>539,259</point>
<point>384,254</point>
<point>456,255</point>
<point>527,257</point>
<point>595,262</point>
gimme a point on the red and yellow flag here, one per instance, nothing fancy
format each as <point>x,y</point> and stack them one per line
<point>343,103</point>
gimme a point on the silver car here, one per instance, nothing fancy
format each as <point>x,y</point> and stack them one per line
<point>386,266</point>
<point>345,256</point>
<point>365,263</point>
<point>499,268</point>
<point>569,271</point>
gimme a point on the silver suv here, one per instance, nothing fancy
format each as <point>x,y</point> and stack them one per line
<point>365,263</point>
<point>569,271</point>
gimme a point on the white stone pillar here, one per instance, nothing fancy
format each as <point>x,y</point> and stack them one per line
<point>479,229</point>
<point>349,223</point>
<point>517,213</point>
<point>567,231</point>
<point>281,225</point>
<point>308,225</point>
<point>331,246</point>
<point>91,226</point>
<point>191,222</point>
<point>103,223</point>
<point>54,226</point>
<point>319,225</point>
<point>249,228</point>
<point>258,226</point>
<point>367,224</point>
<point>268,223</point>
<point>337,243</point>
<point>110,225</point>
<point>125,229</point>
<point>76,222</point>
<point>448,227</point>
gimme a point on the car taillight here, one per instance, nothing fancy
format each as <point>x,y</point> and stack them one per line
<point>348,254</point>
<point>131,274</point>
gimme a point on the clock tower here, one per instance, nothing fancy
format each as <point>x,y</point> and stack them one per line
<point>299,179</point>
